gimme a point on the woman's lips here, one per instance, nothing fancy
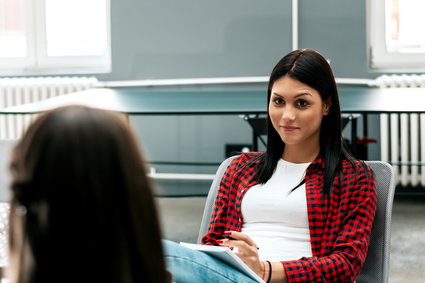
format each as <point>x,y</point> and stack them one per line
<point>289,128</point>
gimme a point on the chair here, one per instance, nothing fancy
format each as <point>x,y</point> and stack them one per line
<point>376,267</point>
<point>209,203</point>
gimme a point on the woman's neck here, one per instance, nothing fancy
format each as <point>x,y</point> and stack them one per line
<point>295,154</point>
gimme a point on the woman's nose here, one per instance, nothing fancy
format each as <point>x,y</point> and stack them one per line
<point>288,113</point>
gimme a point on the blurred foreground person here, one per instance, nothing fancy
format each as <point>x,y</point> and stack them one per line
<point>82,208</point>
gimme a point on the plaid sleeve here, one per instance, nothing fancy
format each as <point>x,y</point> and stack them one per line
<point>224,216</point>
<point>345,238</point>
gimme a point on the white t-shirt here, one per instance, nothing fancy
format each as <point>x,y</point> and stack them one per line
<point>276,218</point>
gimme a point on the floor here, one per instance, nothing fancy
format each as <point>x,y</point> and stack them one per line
<point>407,262</point>
<point>181,217</point>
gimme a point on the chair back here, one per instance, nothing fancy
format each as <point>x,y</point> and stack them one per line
<point>212,194</point>
<point>376,267</point>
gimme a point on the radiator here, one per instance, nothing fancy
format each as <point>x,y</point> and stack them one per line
<point>403,134</point>
<point>15,91</point>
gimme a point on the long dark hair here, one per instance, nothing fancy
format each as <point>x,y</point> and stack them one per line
<point>309,67</point>
<point>82,205</point>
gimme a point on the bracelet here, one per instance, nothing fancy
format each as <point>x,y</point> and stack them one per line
<point>270,271</point>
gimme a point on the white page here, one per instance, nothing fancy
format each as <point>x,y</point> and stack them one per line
<point>226,255</point>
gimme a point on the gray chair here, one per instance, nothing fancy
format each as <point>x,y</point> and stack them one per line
<point>376,267</point>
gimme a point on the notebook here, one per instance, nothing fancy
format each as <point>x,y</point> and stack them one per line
<point>226,255</point>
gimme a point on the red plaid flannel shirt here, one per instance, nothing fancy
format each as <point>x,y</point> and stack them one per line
<point>340,224</point>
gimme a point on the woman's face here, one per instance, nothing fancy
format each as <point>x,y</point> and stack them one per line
<point>296,111</point>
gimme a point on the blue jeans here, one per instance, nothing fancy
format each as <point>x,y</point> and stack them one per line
<point>190,266</point>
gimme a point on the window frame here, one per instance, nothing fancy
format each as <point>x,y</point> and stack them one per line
<point>38,63</point>
<point>380,59</point>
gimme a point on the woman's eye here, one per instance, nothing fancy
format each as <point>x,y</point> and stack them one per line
<point>278,101</point>
<point>302,103</point>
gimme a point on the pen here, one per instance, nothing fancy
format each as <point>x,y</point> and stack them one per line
<point>230,238</point>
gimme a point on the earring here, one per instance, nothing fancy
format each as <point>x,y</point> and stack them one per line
<point>21,210</point>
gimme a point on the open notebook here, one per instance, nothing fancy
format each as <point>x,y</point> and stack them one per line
<point>226,255</point>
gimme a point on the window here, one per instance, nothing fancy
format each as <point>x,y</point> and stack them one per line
<point>396,36</point>
<point>48,36</point>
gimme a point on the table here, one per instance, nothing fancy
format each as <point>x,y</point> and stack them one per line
<point>142,101</point>
<point>145,101</point>
<point>155,102</point>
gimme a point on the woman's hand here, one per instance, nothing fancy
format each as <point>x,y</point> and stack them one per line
<point>245,248</point>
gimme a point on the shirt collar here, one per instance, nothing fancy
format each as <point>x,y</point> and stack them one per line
<point>319,162</point>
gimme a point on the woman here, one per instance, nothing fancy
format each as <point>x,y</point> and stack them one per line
<point>303,210</point>
<point>82,208</point>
